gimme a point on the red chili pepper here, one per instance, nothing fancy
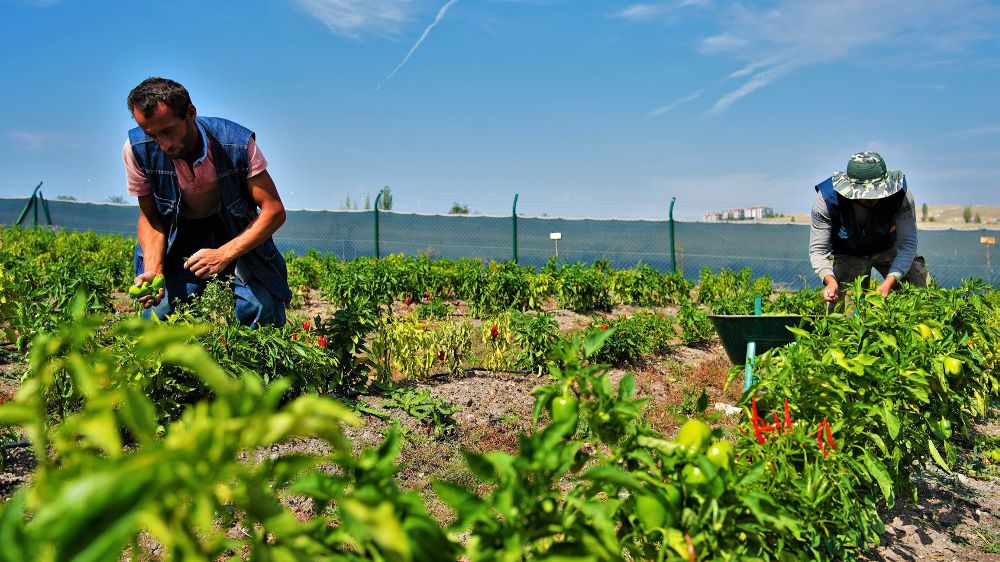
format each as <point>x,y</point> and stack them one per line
<point>321,341</point>
<point>427,294</point>
<point>224,344</point>
<point>295,336</point>
<point>788,416</point>
<point>305,325</point>
<point>440,356</point>
<point>829,434</point>
<point>819,440</point>
<point>494,331</point>
<point>604,327</point>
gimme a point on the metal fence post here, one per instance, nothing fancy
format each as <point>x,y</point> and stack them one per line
<point>673,244</point>
<point>514,217</point>
<point>377,198</point>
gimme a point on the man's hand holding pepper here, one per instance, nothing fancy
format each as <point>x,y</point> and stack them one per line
<point>149,301</point>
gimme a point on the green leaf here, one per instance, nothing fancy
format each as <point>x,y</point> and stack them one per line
<point>937,456</point>
<point>891,421</point>
<point>799,332</point>
<point>626,388</point>
<point>595,340</point>
<point>889,340</point>
<point>877,439</point>
<point>613,476</point>
<point>878,472</point>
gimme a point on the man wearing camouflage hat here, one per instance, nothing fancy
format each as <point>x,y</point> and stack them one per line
<point>863,218</point>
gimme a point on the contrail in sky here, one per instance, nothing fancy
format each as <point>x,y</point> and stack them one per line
<point>440,14</point>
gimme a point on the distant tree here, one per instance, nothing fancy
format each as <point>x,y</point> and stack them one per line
<point>386,201</point>
<point>923,211</point>
<point>348,204</point>
<point>116,199</point>
<point>967,214</point>
<point>65,198</point>
<point>978,219</point>
<point>457,209</point>
<point>368,202</point>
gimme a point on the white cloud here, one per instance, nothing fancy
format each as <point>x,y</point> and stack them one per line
<point>721,43</point>
<point>649,11</point>
<point>773,39</point>
<point>353,18</point>
<point>36,140</point>
<point>778,39</point>
<point>672,105</point>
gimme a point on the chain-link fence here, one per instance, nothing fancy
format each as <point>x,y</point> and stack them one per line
<point>778,250</point>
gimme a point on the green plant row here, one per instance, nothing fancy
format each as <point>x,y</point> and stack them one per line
<point>835,428</point>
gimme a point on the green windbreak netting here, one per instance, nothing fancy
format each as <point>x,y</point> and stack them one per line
<point>778,250</point>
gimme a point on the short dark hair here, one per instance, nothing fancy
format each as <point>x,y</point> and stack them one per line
<point>151,91</point>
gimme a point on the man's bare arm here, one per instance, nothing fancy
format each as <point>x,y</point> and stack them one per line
<point>208,261</point>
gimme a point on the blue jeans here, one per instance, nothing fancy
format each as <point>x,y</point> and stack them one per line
<point>255,305</point>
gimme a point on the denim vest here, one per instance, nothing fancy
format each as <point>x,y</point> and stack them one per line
<point>228,142</point>
<point>877,234</point>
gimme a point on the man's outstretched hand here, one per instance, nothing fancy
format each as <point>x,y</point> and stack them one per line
<point>207,262</point>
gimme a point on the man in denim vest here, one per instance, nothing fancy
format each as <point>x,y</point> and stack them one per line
<point>864,218</point>
<point>200,182</point>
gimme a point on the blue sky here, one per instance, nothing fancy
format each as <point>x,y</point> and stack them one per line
<point>584,108</point>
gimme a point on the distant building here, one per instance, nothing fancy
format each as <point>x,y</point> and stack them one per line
<point>734,214</point>
<point>756,212</point>
<point>759,212</point>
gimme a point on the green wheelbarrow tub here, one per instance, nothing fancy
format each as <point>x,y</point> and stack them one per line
<point>768,332</point>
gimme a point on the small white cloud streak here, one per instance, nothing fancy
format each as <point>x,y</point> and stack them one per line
<point>672,105</point>
<point>440,14</point>
<point>981,131</point>
<point>722,42</point>
<point>351,18</point>
<point>645,12</point>
<point>755,83</point>
<point>35,140</point>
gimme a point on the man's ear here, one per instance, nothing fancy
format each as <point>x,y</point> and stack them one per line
<point>192,112</point>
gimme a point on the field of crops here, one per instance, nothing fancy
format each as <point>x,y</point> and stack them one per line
<point>417,409</point>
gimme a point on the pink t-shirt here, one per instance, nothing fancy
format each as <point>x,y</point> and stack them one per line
<point>199,190</point>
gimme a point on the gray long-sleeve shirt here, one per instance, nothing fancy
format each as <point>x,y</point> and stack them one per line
<point>821,236</point>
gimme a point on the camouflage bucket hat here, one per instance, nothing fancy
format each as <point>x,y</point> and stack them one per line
<point>867,178</point>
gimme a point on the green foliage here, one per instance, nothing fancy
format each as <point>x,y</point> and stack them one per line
<point>645,286</point>
<point>631,337</point>
<point>583,288</point>
<point>435,309</point>
<point>536,335</point>
<point>47,268</point>
<point>423,406</point>
<point>729,292</point>
<point>696,328</point>
<point>804,302</point>
<point>89,499</point>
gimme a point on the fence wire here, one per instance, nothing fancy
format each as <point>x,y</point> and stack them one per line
<point>778,250</point>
